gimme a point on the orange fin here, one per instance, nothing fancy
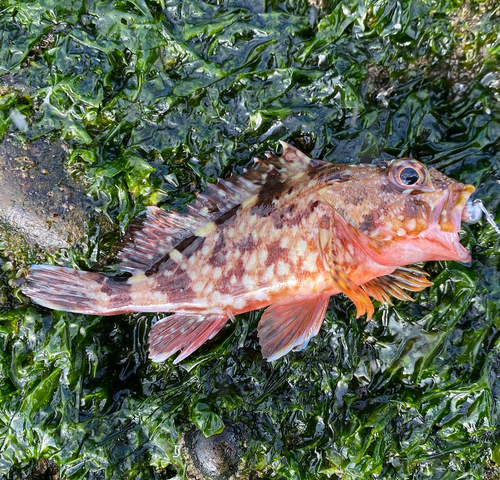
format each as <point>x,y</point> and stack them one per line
<point>182,332</point>
<point>403,278</point>
<point>358,296</point>
<point>289,326</point>
<point>336,247</point>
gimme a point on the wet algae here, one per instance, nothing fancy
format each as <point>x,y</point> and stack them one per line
<point>154,99</point>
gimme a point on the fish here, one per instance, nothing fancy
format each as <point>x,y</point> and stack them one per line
<point>286,235</point>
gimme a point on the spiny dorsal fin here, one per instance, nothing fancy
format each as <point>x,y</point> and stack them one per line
<point>156,232</point>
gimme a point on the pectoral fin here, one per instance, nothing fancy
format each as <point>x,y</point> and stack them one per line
<point>403,278</point>
<point>289,326</point>
<point>338,247</point>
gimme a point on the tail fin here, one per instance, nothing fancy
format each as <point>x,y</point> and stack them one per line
<point>76,291</point>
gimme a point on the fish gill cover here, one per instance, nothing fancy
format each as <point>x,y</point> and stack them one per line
<point>155,99</point>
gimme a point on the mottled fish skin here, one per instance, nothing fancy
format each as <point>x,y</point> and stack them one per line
<point>304,230</point>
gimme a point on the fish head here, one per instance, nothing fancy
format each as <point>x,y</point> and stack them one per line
<point>412,212</point>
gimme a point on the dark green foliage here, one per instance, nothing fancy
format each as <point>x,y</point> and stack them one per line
<point>155,99</point>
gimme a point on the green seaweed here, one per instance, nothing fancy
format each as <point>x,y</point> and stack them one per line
<point>154,100</point>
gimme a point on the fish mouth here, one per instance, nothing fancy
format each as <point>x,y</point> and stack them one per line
<point>445,233</point>
<point>451,216</point>
<point>447,246</point>
<point>440,240</point>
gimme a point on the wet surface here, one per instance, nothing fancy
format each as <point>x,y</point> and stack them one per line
<point>214,458</point>
<point>155,100</point>
<point>38,200</point>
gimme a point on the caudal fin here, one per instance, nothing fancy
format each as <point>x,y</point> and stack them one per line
<point>76,291</point>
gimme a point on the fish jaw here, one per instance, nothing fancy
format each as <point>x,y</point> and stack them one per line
<point>440,240</point>
<point>432,244</point>
<point>451,217</point>
<point>442,237</point>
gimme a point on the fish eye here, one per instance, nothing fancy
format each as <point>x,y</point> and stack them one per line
<point>409,176</point>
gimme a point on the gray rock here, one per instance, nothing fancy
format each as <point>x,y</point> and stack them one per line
<point>38,199</point>
<point>216,457</point>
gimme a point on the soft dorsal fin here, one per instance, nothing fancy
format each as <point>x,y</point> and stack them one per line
<point>149,237</point>
<point>156,232</point>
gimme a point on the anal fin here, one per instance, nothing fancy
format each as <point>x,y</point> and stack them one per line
<point>184,332</point>
<point>289,326</point>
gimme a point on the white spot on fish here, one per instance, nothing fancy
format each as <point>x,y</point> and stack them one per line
<point>198,287</point>
<point>206,249</point>
<point>248,282</point>
<point>301,247</point>
<point>285,241</point>
<point>216,296</point>
<point>233,280</point>
<point>205,269</point>
<point>260,295</point>
<point>401,232</point>
<point>252,262</point>
<point>176,256</point>
<point>283,268</point>
<point>193,274</point>
<point>239,303</point>
<point>309,263</point>
<point>217,273</point>
<point>269,273</point>
<point>411,224</point>
<point>263,256</point>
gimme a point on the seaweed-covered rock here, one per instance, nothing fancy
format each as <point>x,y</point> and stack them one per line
<point>38,199</point>
<point>216,457</point>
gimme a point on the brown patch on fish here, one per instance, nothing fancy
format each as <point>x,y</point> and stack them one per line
<point>388,188</point>
<point>218,259</point>
<point>187,242</point>
<point>275,252</point>
<point>268,196</point>
<point>180,284</point>
<point>227,216</point>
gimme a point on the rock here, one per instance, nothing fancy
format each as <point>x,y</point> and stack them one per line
<point>216,457</point>
<point>38,199</point>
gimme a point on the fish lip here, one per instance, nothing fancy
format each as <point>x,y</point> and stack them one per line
<point>450,221</point>
<point>451,216</point>
<point>446,245</point>
<point>453,242</point>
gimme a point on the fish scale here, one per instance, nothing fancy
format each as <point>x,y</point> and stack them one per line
<point>289,233</point>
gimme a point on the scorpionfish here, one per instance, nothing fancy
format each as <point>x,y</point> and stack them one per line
<point>285,235</point>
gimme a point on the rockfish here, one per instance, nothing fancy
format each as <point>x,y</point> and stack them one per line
<point>289,233</point>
